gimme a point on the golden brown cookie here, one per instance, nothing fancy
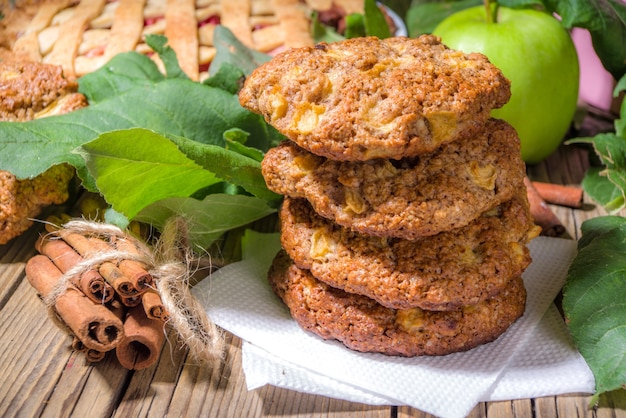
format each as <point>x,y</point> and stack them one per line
<point>409,198</point>
<point>441,272</point>
<point>28,91</point>
<point>31,90</point>
<point>366,98</point>
<point>364,325</point>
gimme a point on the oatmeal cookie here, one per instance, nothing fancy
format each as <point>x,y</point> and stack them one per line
<point>366,98</point>
<point>441,272</point>
<point>409,198</point>
<point>32,90</point>
<point>362,324</point>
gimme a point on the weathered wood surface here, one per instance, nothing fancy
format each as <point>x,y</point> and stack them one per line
<point>42,377</point>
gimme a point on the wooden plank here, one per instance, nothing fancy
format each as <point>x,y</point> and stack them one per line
<point>215,390</point>
<point>88,390</point>
<point>33,354</point>
<point>13,257</point>
<point>519,408</point>
<point>546,407</point>
<point>574,406</point>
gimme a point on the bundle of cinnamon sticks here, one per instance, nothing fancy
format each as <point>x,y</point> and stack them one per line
<point>97,290</point>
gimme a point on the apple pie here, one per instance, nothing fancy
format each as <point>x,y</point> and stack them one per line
<point>81,36</point>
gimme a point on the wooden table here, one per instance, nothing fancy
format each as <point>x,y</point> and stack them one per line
<point>41,376</point>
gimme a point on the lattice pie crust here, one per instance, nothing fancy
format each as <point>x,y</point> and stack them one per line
<point>82,36</point>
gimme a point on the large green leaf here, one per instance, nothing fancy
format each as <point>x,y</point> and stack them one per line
<point>136,167</point>
<point>207,219</point>
<point>594,301</point>
<point>173,106</point>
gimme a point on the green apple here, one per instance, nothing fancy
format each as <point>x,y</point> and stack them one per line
<point>535,52</point>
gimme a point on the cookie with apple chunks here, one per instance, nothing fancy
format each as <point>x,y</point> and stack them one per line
<point>443,272</point>
<point>364,325</point>
<point>367,98</point>
<point>408,198</point>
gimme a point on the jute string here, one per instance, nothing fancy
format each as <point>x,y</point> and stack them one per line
<point>171,264</point>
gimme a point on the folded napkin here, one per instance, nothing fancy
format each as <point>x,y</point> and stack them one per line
<point>535,357</point>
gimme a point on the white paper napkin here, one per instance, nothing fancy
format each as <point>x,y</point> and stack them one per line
<point>279,352</point>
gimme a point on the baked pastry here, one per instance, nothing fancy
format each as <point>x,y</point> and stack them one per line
<point>30,91</point>
<point>364,325</point>
<point>33,90</point>
<point>409,198</point>
<point>442,272</point>
<point>83,35</point>
<point>367,98</point>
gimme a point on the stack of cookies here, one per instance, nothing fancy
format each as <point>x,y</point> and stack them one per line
<point>405,220</point>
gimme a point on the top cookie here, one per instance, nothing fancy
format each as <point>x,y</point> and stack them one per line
<point>367,98</point>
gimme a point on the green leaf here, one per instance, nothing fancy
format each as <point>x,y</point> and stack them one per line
<point>231,50</point>
<point>158,43</point>
<point>173,106</point>
<point>611,149</point>
<point>209,218</point>
<point>595,227</point>
<point>236,138</point>
<point>125,71</point>
<point>424,16</point>
<point>260,246</point>
<point>355,26</point>
<point>521,4</point>
<point>113,217</point>
<point>229,166</point>
<point>594,301</point>
<point>374,20</point>
<point>136,167</point>
<point>600,189</point>
<point>228,78</point>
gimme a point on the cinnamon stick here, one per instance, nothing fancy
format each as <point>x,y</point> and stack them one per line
<point>90,246</point>
<point>542,214</point>
<point>134,270</point>
<point>95,325</point>
<point>116,278</point>
<point>143,340</point>
<point>92,356</point>
<point>153,306</point>
<point>130,301</point>
<point>91,283</point>
<point>558,194</point>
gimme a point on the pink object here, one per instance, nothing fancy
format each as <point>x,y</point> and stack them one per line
<point>596,84</point>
